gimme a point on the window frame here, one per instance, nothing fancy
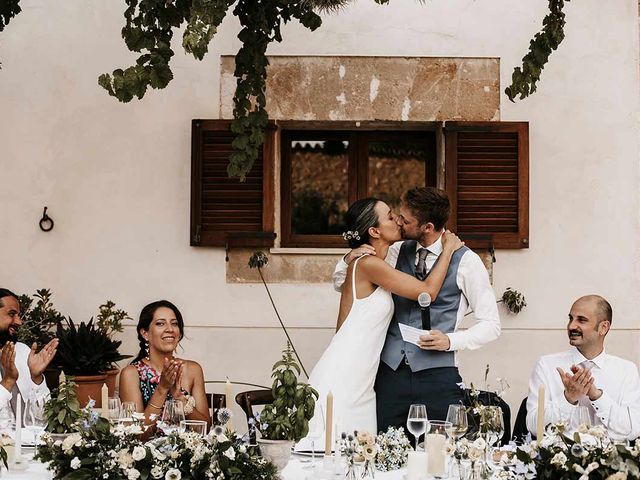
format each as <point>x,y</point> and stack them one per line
<point>359,134</point>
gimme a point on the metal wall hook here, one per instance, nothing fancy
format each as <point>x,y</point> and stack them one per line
<point>46,222</point>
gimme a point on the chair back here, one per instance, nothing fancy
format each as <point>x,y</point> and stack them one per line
<point>490,398</point>
<point>216,401</point>
<point>249,399</point>
<point>520,429</point>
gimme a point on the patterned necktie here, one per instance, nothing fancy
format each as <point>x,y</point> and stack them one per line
<point>587,364</point>
<point>421,267</point>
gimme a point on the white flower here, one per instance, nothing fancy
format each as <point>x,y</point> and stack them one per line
<point>139,453</point>
<point>75,463</point>
<point>133,474</point>
<point>230,453</point>
<point>125,459</point>
<point>559,459</point>
<point>480,443</point>
<point>156,472</point>
<point>75,439</point>
<point>173,474</point>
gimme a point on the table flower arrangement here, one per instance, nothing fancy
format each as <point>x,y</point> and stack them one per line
<point>587,453</point>
<point>99,450</point>
<point>359,449</point>
<point>393,449</point>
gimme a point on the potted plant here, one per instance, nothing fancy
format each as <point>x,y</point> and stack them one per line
<point>286,419</point>
<point>62,411</point>
<point>88,352</point>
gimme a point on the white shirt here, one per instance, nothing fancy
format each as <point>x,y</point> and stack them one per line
<point>25,386</point>
<point>617,378</point>
<point>477,295</point>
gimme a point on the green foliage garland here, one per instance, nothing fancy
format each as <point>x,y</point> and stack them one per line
<point>524,80</point>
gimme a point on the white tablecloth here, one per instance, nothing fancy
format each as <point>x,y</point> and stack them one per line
<point>295,471</point>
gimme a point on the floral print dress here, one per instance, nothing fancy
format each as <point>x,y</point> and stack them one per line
<point>149,380</point>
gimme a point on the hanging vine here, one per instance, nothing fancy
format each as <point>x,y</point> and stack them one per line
<point>524,80</point>
<point>149,28</point>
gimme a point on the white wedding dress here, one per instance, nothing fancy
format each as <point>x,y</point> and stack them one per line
<point>348,368</point>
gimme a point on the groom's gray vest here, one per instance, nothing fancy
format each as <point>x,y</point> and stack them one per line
<point>444,313</point>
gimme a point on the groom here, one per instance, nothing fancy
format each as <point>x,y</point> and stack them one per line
<point>428,373</point>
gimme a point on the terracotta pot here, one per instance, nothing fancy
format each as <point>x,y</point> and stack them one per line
<point>277,452</point>
<point>90,386</point>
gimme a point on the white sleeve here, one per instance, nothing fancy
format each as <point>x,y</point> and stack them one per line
<point>623,418</point>
<point>473,280</point>
<point>340,272</point>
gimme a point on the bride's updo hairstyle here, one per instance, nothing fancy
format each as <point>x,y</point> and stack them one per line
<point>360,217</point>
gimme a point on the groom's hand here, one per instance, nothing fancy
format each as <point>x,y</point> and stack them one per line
<point>436,340</point>
<point>363,249</point>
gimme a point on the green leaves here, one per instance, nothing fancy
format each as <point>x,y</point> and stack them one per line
<point>287,417</point>
<point>62,411</point>
<point>524,79</point>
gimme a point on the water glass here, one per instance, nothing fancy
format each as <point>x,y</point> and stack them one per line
<point>620,424</point>
<point>197,426</point>
<point>128,409</point>
<point>580,417</point>
<point>34,419</point>
<point>417,421</point>
<point>457,417</point>
<point>115,408</point>
<point>316,432</point>
<point>172,415</point>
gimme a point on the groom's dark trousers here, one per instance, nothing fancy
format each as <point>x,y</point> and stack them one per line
<point>396,390</point>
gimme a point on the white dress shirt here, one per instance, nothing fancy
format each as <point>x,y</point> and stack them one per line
<point>477,295</point>
<point>617,378</point>
<point>25,386</point>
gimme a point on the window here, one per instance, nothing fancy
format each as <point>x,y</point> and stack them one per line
<point>324,171</point>
<point>325,166</point>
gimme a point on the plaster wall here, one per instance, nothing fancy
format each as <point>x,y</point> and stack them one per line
<point>116,176</point>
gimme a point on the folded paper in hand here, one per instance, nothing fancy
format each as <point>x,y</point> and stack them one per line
<point>411,334</point>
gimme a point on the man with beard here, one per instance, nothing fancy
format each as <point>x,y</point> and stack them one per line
<point>587,376</point>
<point>22,367</point>
<point>427,373</point>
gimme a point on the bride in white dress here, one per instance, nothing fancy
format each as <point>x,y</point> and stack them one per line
<point>349,365</point>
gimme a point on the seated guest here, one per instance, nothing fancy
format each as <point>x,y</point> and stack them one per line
<point>156,374</point>
<point>22,368</point>
<point>587,376</point>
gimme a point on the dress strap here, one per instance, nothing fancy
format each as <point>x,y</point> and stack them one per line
<point>353,277</point>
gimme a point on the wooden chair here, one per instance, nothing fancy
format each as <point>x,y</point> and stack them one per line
<point>249,399</point>
<point>216,401</point>
<point>520,429</point>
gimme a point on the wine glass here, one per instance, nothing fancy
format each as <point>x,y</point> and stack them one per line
<point>128,409</point>
<point>620,424</point>
<point>33,418</point>
<point>457,417</point>
<point>417,421</point>
<point>316,431</point>
<point>115,408</point>
<point>172,415</point>
<point>580,417</point>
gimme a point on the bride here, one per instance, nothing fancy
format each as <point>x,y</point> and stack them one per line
<point>348,366</point>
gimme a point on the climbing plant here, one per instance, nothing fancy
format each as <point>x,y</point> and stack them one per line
<point>150,26</point>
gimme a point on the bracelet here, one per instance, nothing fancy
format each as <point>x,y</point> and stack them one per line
<point>156,406</point>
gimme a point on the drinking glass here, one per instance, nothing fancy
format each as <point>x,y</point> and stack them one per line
<point>128,409</point>
<point>417,421</point>
<point>580,417</point>
<point>7,418</point>
<point>172,415</point>
<point>491,428</point>
<point>620,424</point>
<point>457,417</point>
<point>115,408</point>
<point>33,418</point>
<point>316,432</point>
<point>197,426</point>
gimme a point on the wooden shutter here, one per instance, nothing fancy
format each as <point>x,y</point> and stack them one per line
<point>487,179</point>
<point>224,211</point>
